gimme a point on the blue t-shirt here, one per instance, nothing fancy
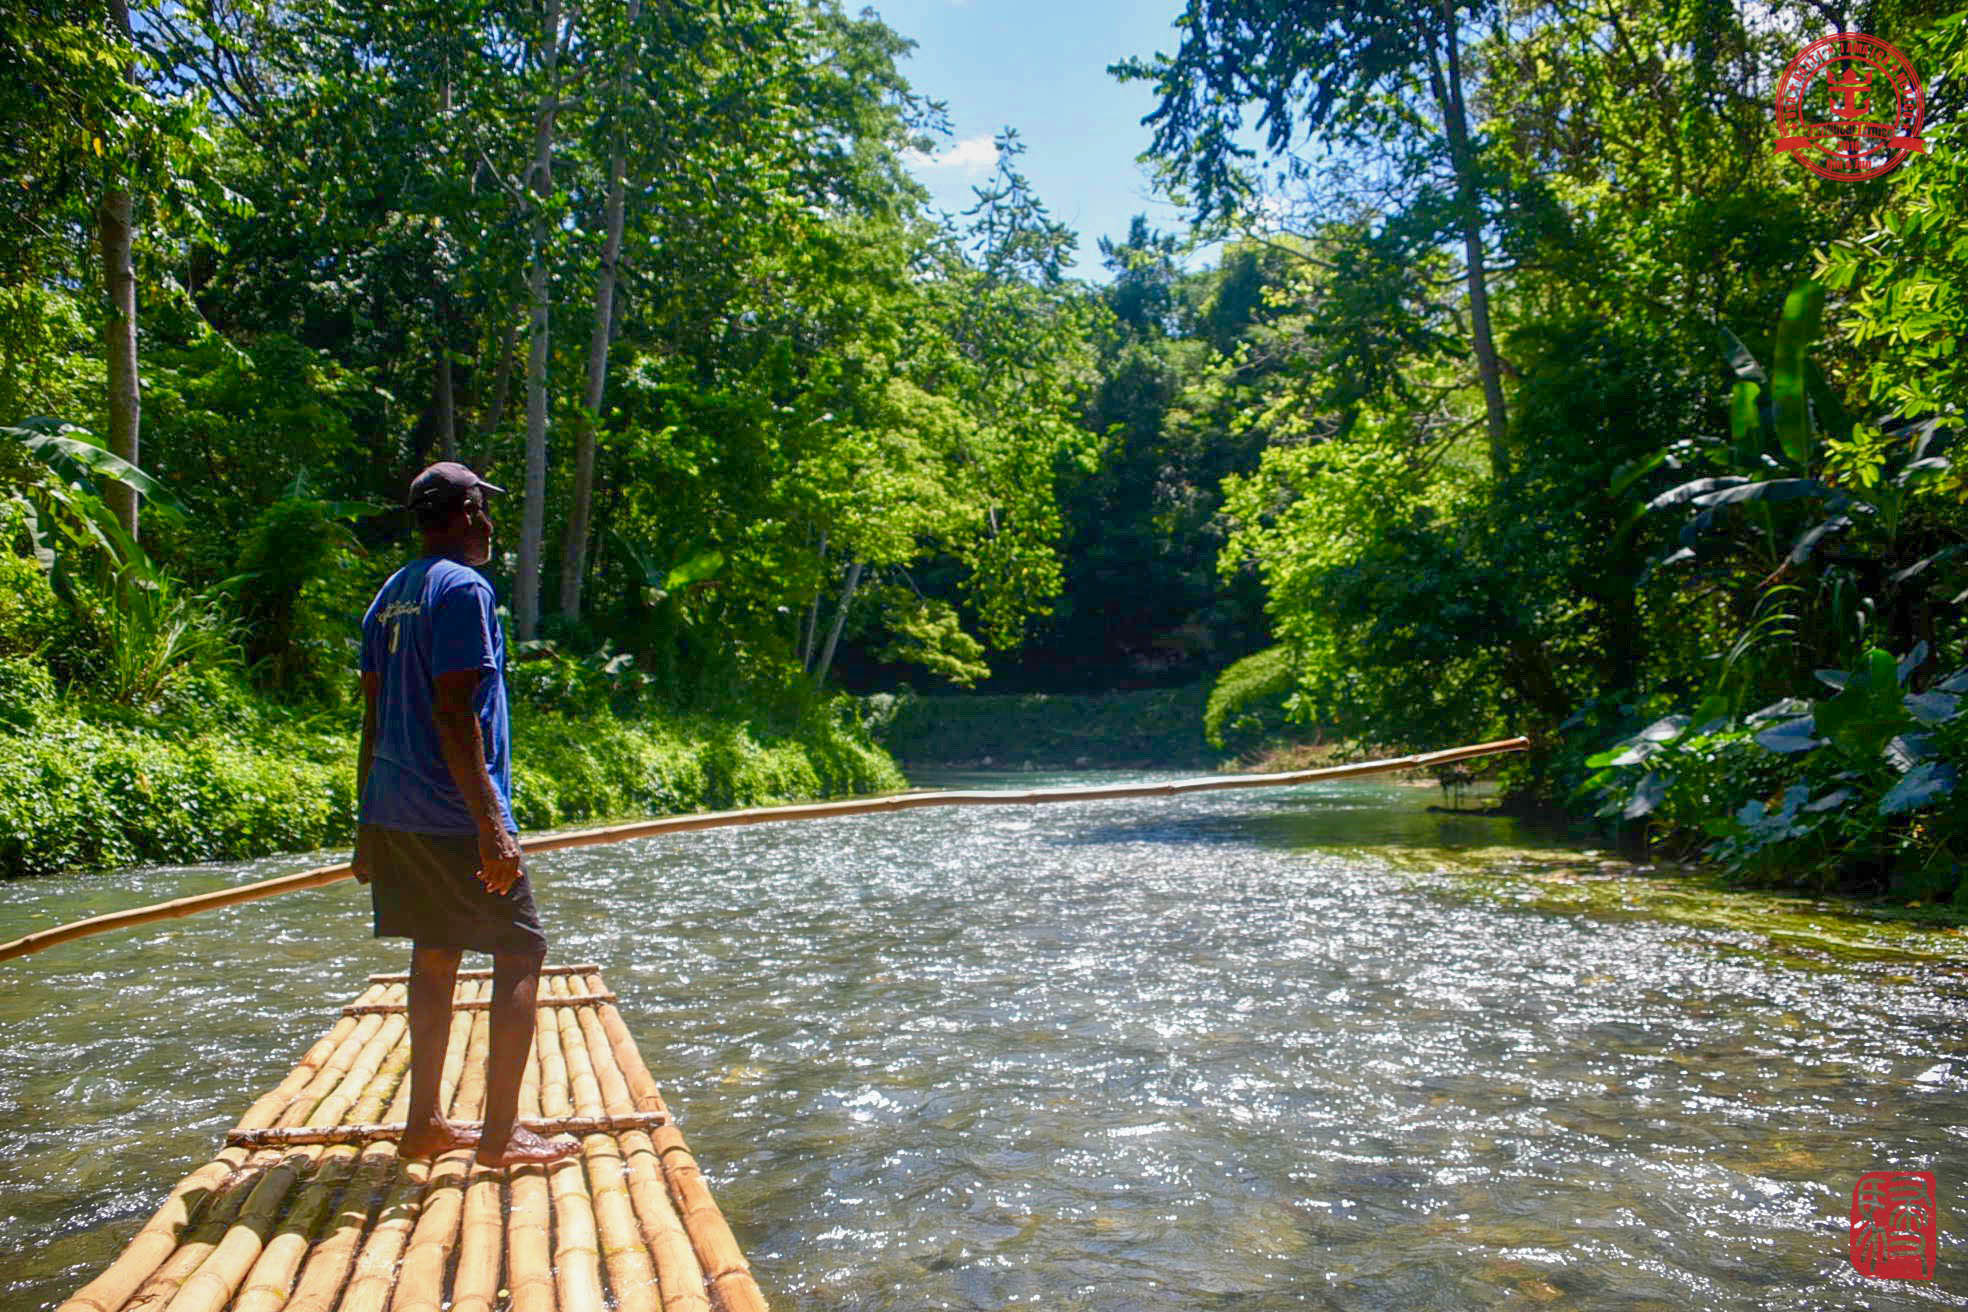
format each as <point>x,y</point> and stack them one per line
<point>433,617</point>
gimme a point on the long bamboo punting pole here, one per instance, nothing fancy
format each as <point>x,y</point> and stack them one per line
<point>43,939</point>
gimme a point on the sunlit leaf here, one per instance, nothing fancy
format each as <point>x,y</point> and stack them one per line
<point>1796,330</point>
<point>1921,786</point>
<point>1790,736</point>
<point>1933,707</point>
<point>1648,794</point>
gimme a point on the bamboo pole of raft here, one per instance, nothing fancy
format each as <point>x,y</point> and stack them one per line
<point>403,976</point>
<point>193,1221</point>
<point>212,1285</point>
<point>364,1132</point>
<point>420,1281</point>
<point>631,1274</point>
<point>378,1264</point>
<point>326,1277</point>
<point>43,939</point>
<point>234,1195</point>
<point>725,1269</point>
<point>326,1263</point>
<point>679,1276</point>
<point>267,1285</point>
<point>477,1004</point>
<point>577,1246</point>
<point>529,1217</point>
<point>154,1244</point>
<point>481,1243</point>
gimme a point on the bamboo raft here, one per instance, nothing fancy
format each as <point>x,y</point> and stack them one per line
<point>309,1209</point>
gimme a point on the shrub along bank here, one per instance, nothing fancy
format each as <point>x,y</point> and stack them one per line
<point>213,773</point>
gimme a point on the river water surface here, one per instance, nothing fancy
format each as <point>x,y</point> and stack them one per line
<point>1312,1047</point>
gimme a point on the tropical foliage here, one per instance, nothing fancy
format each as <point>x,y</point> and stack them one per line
<point>1505,380</point>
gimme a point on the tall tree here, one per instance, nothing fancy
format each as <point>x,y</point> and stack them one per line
<point>1337,74</point>
<point>574,547</point>
<point>533,514</point>
<point>115,235</point>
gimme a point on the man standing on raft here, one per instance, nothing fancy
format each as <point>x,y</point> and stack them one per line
<point>436,842</point>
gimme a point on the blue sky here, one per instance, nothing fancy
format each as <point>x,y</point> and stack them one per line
<point>1040,66</point>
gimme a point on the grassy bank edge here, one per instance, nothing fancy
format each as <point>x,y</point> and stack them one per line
<point>85,794</point>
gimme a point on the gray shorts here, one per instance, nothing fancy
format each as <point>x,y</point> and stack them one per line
<point>426,888</point>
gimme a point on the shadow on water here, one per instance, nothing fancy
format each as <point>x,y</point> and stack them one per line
<point>1352,815</point>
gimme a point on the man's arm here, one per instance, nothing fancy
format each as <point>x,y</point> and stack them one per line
<point>464,752</point>
<point>365,755</point>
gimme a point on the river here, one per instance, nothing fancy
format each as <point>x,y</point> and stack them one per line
<point>1315,1047</point>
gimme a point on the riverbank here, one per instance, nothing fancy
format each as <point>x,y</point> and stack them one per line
<point>1150,729</point>
<point>218,775</point>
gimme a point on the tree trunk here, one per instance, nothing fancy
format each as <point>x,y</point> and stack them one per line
<point>442,400</point>
<point>574,548</point>
<point>1470,218</point>
<point>812,633</point>
<point>114,231</point>
<point>840,618</point>
<point>495,412</point>
<point>533,515</point>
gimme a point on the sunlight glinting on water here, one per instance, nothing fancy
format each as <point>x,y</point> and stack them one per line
<point>1209,1051</point>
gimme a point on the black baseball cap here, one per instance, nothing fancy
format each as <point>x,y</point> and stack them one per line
<point>445,484</point>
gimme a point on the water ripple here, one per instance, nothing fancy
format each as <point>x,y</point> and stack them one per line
<point>1217,1050</point>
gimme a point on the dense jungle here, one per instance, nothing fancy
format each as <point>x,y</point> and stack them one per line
<point>1504,379</point>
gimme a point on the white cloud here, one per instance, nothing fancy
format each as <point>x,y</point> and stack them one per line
<point>973,156</point>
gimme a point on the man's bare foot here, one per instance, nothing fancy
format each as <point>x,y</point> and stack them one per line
<point>527,1148</point>
<point>436,1138</point>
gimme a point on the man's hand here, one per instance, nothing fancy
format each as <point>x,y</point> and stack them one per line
<point>498,859</point>
<point>363,863</point>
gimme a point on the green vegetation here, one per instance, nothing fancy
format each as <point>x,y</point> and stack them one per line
<point>213,773</point>
<point>1151,728</point>
<point>1530,391</point>
<point>1568,400</point>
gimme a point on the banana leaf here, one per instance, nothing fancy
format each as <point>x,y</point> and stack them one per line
<point>1740,360</point>
<point>1803,313</point>
<point>74,454</point>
